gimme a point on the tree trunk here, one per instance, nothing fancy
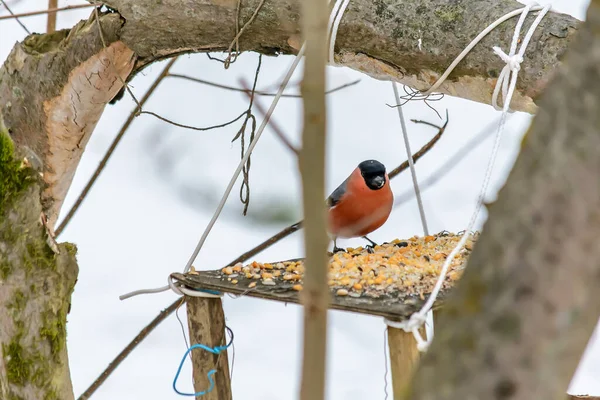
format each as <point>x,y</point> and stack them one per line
<point>520,317</point>
<point>36,281</point>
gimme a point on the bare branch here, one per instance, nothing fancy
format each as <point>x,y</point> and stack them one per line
<point>274,125</point>
<point>15,16</point>
<point>51,26</point>
<point>129,348</point>
<point>258,92</point>
<point>41,12</point>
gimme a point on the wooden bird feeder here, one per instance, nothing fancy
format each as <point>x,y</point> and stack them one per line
<point>392,280</point>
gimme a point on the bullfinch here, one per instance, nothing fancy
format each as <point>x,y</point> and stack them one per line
<point>361,204</point>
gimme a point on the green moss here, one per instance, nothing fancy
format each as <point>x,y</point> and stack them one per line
<point>71,248</point>
<point>18,302</point>
<point>51,395</point>
<point>39,255</point>
<point>14,176</point>
<point>55,331</point>
<point>5,269</point>
<point>449,13</point>
<point>18,366</point>
<point>45,43</point>
<point>449,16</point>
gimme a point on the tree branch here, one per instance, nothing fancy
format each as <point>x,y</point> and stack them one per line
<point>518,321</point>
<point>380,38</point>
<point>54,117</point>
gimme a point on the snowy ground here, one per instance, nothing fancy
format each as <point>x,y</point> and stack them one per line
<point>148,209</point>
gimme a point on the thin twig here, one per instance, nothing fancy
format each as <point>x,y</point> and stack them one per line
<point>15,16</point>
<point>423,149</point>
<point>450,163</point>
<point>274,125</point>
<point>128,349</point>
<point>40,12</point>
<point>112,148</point>
<point>245,186</point>
<point>415,95</point>
<point>239,33</point>
<point>51,26</point>
<point>194,128</point>
<point>258,92</point>
<point>242,258</point>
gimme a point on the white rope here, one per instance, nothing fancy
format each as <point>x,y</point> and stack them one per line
<point>235,176</point>
<point>483,34</point>
<point>513,63</point>
<point>339,7</point>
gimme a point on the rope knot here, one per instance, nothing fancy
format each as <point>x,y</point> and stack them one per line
<point>513,62</point>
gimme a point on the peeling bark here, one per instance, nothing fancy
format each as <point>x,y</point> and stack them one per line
<point>35,291</point>
<point>53,90</point>
<point>519,319</point>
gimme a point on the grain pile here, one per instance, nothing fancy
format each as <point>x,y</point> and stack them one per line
<point>410,266</point>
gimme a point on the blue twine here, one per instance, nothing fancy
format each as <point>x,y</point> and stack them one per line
<point>215,292</point>
<point>214,350</point>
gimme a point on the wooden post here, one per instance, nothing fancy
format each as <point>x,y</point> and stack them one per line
<point>206,322</point>
<point>404,357</point>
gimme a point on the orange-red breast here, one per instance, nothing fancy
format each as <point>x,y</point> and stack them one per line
<point>361,204</point>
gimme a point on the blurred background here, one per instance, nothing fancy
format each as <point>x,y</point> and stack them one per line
<point>142,219</point>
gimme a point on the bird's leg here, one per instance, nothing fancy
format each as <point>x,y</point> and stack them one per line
<point>371,246</point>
<point>335,248</point>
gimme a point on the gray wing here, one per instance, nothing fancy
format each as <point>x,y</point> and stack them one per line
<point>337,194</point>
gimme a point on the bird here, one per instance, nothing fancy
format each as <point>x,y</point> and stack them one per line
<point>361,204</point>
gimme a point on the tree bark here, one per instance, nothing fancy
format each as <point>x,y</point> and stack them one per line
<point>53,90</point>
<point>36,283</point>
<point>206,322</point>
<point>55,116</point>
<point>380,38</point>
<point>519,319</point>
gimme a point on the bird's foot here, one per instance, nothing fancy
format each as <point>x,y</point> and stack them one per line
<point>338,249</point>
<point>372,243</point>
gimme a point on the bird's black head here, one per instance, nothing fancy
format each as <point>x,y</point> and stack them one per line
<point>373,172</point>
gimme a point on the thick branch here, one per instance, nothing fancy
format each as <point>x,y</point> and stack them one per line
<point>380,38</point>
<point>53,90</point>
<point>521,316</point>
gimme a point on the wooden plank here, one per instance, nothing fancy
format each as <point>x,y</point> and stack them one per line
<point>206,322</point>
<point>393,305</point>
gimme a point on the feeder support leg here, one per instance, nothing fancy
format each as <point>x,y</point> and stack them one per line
<point>206,322</point>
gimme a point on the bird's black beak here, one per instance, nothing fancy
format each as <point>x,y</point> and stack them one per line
<point>378,181</point>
